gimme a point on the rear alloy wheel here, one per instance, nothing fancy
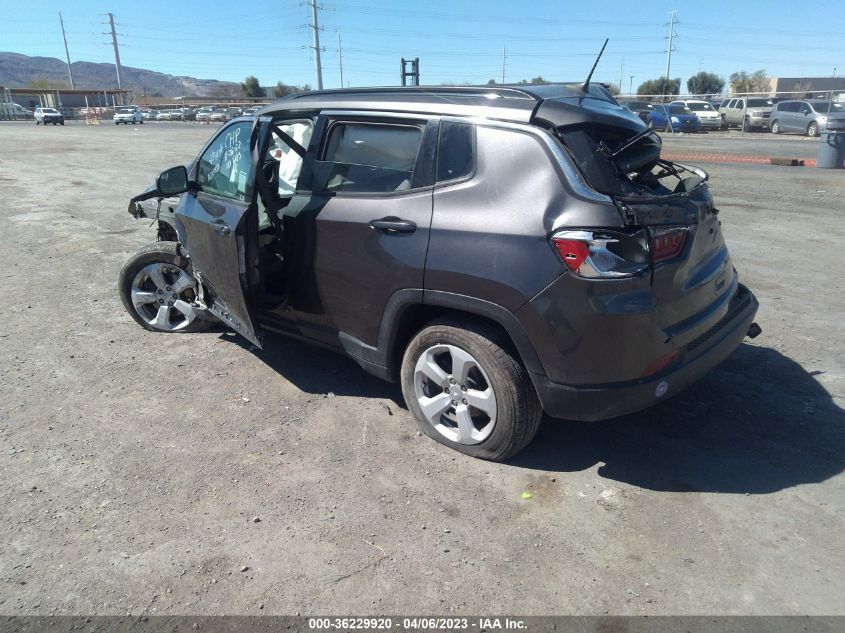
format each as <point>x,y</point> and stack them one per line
<point>469,392</point>
<point>158,288</point>
<point>813,129</point>
<point>775,127</point>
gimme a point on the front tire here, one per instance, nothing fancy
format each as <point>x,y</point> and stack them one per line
<point>467,390</point>
<point>775,127</point>
<point>157,288</point>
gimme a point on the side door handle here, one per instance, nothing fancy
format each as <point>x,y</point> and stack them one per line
<point>394,225</point>
<point>221,227</point>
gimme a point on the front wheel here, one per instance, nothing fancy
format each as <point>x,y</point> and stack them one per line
<point>468,391</point>
<point>157,288</point>
<point>813,129</point>
<point>775,127</point>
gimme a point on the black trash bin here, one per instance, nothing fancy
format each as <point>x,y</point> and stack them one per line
<point>831,150</point>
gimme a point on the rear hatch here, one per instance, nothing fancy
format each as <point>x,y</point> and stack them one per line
<point>692,277</point>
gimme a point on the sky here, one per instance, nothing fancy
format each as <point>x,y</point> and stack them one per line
<point>457,41</point>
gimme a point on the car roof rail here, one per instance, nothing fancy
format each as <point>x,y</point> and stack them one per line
<point>503,92</point>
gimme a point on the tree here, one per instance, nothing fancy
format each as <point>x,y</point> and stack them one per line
<point>42,83</point>
<point>251,88</point>
<point>281,89</point>
<point>660,87</point>
<point>704,83</point>
<point>741,81</point>
<point>612,89</point>
<point>491,82</point>
<point>760,81</point>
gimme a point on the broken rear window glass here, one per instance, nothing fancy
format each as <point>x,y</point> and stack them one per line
<point>617,162</point>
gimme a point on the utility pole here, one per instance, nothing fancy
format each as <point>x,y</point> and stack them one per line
<point>621,65</point>
<point>631,86</point>
<point>504,61</point>
<point>673,20</point>
<point>340,57</point>
<point>67,53</point>
<point>316,46</point>
<point>116,51</point>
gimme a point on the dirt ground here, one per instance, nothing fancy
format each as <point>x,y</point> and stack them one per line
<point>134,464</point>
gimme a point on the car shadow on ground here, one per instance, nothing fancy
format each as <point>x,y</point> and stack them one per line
<point>757,424</point>
<point>318,371</point>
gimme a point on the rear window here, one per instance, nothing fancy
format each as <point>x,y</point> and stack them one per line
<point>368,158</point>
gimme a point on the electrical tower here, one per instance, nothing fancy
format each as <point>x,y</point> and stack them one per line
<point>673,20</point>
<point>316,45</point>
<point>67,53</point>
<point>116,51</point>
<point>414,73</point>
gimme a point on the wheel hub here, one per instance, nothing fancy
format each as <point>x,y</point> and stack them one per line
<point>454,394</point>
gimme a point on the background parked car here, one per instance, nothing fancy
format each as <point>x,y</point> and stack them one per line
<point>48,115</point>
<point>641,108</point>
<point>755,112</point>
<point>219,114</point>
<point>11,110</point>
<point>708,115</point>
<point>807,117</point>
<point>149,115</point>
<point>204,114</point>
<point>127,116</point>
<point>673,118</point>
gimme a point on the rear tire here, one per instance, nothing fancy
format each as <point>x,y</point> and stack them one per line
<point>813,129</point>
<point>156,287</point>
<point>508,412</point>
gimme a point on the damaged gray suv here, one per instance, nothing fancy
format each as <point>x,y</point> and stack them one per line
<point>499,251</point>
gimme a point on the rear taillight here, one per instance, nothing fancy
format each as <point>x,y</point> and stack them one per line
<point>601,253</point>
<point>667,243</point>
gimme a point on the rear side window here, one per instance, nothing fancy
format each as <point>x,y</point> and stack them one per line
<point>368,158</point>
<point>456,158</point>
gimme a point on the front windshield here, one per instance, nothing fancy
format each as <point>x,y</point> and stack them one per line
<point>701,107</point>
<point>760,103</point>
<point>821,106</point>
<point>678,110</point>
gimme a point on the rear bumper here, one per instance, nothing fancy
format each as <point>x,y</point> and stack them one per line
<point>610,400</point>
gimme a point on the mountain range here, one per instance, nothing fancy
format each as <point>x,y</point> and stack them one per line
<point>17,71</point>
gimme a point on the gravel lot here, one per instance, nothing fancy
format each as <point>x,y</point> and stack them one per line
<point>134,464</point>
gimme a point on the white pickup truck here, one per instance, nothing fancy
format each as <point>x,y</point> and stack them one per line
<point>127,116</point>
